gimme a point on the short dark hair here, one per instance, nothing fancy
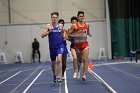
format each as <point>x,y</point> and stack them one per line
<point>74,18</point>
<point>55,13</point>
<point>35,39</point>
<point>61,21</point>
<point>80,12</point>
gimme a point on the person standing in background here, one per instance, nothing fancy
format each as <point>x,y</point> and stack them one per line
<point>35,49</point>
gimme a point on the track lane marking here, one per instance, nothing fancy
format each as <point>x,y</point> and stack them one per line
<point>33,81</point>
<point>125,72</point>
<point>10,77</point>
<point>102,81</point>
<point>66,85</point>
<point>25,79</point>
<point>103,64</point>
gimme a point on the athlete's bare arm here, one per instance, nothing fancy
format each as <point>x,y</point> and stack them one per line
<point>72,28</point>
<point>63,30</point>
<point>88,31</point>
<point>46,31</point>
<point>72,32</point>
<point>65,34</point>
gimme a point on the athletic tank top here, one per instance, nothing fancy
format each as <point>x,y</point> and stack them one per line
<point>55,37</point>
<point>81,29</point>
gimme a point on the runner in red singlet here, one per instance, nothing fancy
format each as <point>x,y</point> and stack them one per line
<point>79,32</point>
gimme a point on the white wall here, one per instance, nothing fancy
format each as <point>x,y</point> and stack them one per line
<point>38,11</point>
<point>32,11</point>
<point>94,9</point>
<point>20,37</point>
<point>4,14</point>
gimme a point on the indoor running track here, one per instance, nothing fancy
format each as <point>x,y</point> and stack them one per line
<point>121,77</point>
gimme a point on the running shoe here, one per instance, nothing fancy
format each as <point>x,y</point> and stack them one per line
<point>84,77</point>
<point>54,79</point>
<point>74,75</point>
<point>58,79</point>
<point>63,78</point>
<point>78,74</point>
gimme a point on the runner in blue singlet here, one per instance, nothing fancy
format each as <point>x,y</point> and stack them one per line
<point>54,32</point>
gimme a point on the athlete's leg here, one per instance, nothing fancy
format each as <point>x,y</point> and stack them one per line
<point>53,67</point>
<point>59,52</point>
<point>79,61</point>
<point>85,54</point>
<point>64,58</point>
<point>73,52</point>
<point>53,70</point>
<point>53,58</point>
<point>59,67</point>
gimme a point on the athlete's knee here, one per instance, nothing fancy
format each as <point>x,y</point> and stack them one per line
<point>52,62</point>
<point>59,60</point>
<point>74,59</point>
<point>84,59</point>
<point>52,65</point>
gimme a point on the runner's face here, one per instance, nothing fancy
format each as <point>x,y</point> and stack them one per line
<point>74,21</point>
<point>54,18</point>
<point>81,17</point>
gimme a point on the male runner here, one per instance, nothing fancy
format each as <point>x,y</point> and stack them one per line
<point>74,20</point>
<point>81,30</point>
<point>64,55</point>
<point>54,32</point>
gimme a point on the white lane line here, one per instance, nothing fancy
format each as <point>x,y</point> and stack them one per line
<point>125,72</point>
<point>25,80</point>
<point>10,77</point>
<point>34,69</point>
<point>9,70</point>
<point>33,81</point>
<point>101,80</point>
<point>66,85</point>
<point>4,73</point>
<point>59,89</point>
<point>103,64</point>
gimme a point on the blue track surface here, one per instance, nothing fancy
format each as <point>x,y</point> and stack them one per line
<point>37,78</point>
